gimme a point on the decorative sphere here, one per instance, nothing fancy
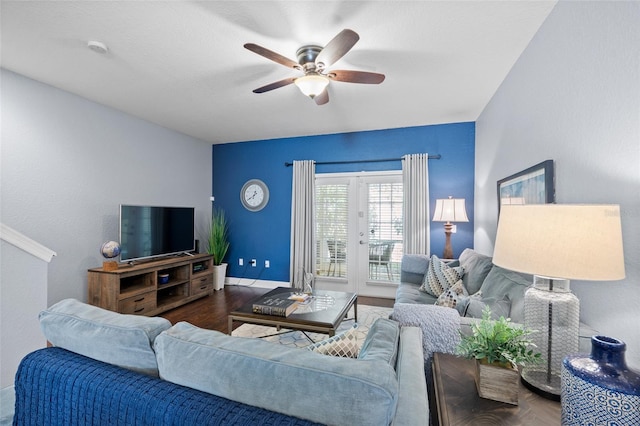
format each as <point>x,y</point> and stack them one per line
<point>110,249</point>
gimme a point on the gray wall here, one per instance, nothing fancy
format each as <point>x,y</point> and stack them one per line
<point>23,294</point>
<point>574,97</point>
<point>68,163</point>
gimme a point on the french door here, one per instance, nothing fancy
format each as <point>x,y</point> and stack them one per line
<point>359,224</point>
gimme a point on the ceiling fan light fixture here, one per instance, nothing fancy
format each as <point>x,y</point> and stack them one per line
<point>313,61</point>
<point>312,84</point>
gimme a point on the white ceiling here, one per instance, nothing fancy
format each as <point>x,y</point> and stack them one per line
<point>181,64</point>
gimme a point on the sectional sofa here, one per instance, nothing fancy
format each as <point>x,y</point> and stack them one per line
<point>430,287</point>
<point>109,368</point>
<point>430,281</point>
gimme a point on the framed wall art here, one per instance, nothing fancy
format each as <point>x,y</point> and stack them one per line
<point>535,185</point>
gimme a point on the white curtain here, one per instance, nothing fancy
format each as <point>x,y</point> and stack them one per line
<point>415,183</point>
<point>302,221</point>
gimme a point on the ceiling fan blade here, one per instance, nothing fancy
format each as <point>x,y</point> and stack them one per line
<point>275,57</point>
<point>356,76</point>
<point>275,85</point>
<point>337,48</point>
<point>322,98</point>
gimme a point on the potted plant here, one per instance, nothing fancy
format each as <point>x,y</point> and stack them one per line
<point>498,348</point>
<point>217,246</point>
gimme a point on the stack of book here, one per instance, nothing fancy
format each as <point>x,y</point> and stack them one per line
<point>279,305</point>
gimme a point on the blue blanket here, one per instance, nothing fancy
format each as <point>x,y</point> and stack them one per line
<point>57,387</point>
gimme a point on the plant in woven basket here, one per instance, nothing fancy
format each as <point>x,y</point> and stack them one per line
<point>498,342</point>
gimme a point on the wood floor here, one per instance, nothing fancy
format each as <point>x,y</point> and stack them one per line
<point>211,312</point>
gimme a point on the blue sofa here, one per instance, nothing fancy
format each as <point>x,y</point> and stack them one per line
<point>58,387</point>
<point>109,368</point>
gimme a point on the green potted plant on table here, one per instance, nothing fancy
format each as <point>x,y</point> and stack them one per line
<point>217,246</point>
<point>498,348</point>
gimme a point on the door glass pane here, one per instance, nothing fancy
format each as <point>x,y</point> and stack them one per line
<point>385,231</point>
<point>331,229</point>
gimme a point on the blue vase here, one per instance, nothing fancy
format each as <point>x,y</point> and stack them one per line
<point>599,389</point>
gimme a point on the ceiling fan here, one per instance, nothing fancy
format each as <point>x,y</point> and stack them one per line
<point>314,60</point>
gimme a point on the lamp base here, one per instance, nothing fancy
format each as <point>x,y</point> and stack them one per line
<point>448,251</point>
<point>553,312</point>
<point>536,382</point>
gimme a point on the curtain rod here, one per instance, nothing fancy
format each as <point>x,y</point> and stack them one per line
<point>381,160</point>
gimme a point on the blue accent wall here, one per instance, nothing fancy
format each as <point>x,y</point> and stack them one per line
<point>265,235</point>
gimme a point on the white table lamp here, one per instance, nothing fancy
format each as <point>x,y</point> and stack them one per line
<point>449,210</point>
<point>557,243</point>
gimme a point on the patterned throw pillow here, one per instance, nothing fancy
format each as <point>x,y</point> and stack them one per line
<point>440,277</point>
<point>453,295</point>
<point>344,344</point>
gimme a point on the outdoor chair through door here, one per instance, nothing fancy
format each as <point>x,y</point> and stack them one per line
<point>380,255</point>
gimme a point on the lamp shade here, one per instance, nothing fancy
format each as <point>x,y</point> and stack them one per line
<point>577,242</point>
<point>450,210</point>
<point>312,84</point>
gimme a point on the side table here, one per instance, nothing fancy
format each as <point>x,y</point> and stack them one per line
<point>458,403</point>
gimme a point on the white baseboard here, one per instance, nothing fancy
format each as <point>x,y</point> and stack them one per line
<point>247,282</point>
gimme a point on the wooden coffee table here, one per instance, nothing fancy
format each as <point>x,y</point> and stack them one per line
<point>458,402</point>
<point>323,315</point>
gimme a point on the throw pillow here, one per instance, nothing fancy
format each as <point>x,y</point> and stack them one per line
<point>463,303</point>
<point>501,282</point>
<point>343,344</point>
<point>440,277</point>
<point>381,342</point>
<point>118,339</point>
<point>499,307</point>
<point>476,267</point>
<point>453,295</point>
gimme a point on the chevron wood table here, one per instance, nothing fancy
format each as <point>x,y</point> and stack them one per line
<point>457,401</point>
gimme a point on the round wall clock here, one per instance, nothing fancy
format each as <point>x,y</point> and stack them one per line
<point>254,195</point>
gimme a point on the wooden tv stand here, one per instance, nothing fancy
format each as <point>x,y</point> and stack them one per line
<point>136,289</point>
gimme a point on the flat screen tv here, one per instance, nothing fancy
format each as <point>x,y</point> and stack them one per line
<point>152,231</point>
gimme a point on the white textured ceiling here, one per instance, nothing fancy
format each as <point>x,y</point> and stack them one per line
<point>181,64</point>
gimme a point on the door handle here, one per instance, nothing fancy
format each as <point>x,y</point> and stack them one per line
<point>364,242</point>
